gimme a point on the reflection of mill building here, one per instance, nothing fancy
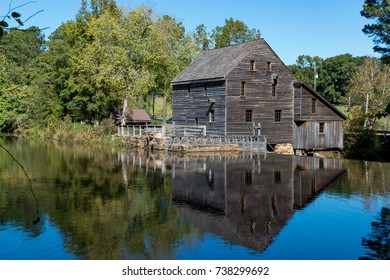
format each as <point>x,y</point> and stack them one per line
<point>248,202</point>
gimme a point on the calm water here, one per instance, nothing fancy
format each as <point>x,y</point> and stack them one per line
<point>105,204</point>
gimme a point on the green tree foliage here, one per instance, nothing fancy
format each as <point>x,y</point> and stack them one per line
<point>370,89</point>
<point>19,50</point>
<point>378,12</point>
<point>231,33</point>
<point>90,64</point>
<point>334,74</point>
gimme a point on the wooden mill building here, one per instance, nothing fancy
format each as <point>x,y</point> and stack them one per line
<point>246,89</point>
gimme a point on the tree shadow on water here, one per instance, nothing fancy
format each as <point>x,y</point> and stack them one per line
<point>377,242</point>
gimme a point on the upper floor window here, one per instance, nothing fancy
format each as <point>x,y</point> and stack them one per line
<point>243,88</point>
<point>274,88</point>
<point>252,66</point>
<point>313,105</point>
<point>268,65</point>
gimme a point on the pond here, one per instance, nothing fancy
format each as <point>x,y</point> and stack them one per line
<point>86,203</point>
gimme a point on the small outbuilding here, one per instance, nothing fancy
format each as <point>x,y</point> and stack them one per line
<point>134,116</point>
<point>246,89</point>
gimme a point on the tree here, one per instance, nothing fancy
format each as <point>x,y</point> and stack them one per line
<point>304,69</point>
<point>202,37</point>
<point>335,75</point>
<point>233,32</point>
<point>379,12</point>
<point>370,89</point>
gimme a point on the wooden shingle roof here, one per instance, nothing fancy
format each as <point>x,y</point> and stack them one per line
<point>215,64</point>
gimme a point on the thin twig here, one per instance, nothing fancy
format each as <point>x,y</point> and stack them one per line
<point>28,178</point>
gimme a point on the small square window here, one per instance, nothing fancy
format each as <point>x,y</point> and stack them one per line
<point>278,115</point>
<point>252,66</point>
<point>248,115</point>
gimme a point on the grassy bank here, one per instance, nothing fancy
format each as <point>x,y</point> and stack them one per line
<point>73,133</point>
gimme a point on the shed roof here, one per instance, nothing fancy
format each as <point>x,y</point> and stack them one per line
<point>138,116</point>
<point>216,64</point>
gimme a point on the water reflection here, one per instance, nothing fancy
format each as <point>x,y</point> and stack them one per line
<point>105,204</point>
<point>248,199</point>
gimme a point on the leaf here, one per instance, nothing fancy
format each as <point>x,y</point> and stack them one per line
<point>15,15</point>
<point>3,23</point>
<point>19,21</point>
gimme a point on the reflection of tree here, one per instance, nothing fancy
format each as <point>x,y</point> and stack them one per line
<point>81,192</point>
<point>378,241</point>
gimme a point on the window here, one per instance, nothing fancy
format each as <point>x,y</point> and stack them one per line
<point>248,115</point>
<point>188,90</point>
<point>268,65</point>
<point>196,121</point>
<point>252,66</point>
<point>274,89</point>
<point>277,177</point>
<point>322,128</point>
<point>313,105</point>
<point>211,115</point>
<point>248,178</point>
<point>278,115</point>
<point>205,89</point>
<point>243,88</point>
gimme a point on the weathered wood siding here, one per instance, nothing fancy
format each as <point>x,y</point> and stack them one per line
<point>194,104</point>
<point>258,96</point>
<point>308,136</point>
<point>322,111</point>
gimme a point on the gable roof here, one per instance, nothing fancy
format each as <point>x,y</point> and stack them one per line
<point>323,100</point>
<point>215,64</point>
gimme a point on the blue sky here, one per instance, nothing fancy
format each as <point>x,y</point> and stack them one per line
<point>292,27</point>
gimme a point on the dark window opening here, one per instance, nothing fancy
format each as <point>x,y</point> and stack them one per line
<point>243,88</point>
<point>268,65</point>
<point>313,105</point>
<point>278,115</point>
<point>274,89</point>
<point>322,128</point>
<point>188,90</point>
<point>205,89</point>
<point>277,177</point>
<point>248,115</point>
<point>248,178</point>
<point>252,65</point>
<point>196,121</point>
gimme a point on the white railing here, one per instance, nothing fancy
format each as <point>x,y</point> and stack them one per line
<point>165,130</point>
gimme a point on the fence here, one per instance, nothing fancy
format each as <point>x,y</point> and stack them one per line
<point>165,130</point>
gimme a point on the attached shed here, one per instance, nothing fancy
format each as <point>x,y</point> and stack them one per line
<point>246,88</point>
